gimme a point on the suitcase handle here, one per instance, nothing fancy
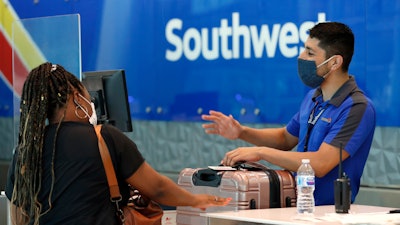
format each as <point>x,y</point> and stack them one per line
<point>207,177</point>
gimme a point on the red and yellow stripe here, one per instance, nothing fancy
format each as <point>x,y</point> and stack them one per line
<point>26,54</point>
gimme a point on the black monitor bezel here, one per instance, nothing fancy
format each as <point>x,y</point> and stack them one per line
<point>109,92</point>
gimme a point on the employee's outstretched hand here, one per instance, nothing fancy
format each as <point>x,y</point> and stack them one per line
<point>223,125</point>
<point>203,201</point>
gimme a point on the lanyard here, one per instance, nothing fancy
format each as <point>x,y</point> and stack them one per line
<point>312,120</point>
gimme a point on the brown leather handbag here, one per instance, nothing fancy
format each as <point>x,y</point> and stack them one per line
<point>139,210</point>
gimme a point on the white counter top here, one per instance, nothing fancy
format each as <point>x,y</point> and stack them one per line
<point>358,214</point>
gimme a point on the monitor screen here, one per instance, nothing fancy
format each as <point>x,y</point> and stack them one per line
<point>110,96</point>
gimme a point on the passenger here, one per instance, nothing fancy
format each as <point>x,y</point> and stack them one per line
<point>57,175</point>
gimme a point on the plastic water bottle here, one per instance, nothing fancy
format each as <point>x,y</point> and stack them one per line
<point>305,188</point>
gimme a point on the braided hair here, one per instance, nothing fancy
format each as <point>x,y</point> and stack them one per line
<point>45,92</point>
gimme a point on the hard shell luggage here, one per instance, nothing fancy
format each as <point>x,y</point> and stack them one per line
<point>251,186</point>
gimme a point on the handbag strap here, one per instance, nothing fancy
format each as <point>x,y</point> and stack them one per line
<point>110,173</point>
<point>108,166</point>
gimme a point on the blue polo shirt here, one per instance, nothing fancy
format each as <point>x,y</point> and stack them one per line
<point>348,119</point>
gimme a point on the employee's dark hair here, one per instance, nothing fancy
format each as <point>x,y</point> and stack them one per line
<point>336,39</point>
<point>45,90</point>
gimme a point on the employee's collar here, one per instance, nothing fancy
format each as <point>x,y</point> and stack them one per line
<point>345,90</point>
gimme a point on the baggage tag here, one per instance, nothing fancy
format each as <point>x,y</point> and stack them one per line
<point>240,165</point>
<point>222,168</point>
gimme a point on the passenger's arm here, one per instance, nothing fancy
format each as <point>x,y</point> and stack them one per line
<point>163,190</point>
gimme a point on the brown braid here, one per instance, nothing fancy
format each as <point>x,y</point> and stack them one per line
<point>45,91</point>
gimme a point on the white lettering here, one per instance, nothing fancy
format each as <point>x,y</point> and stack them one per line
<point>303,31</point>
<point>213,53</point>
<point>225,32</point>
<point>239,31</point>
<point>192,53</point>
<point>265,40</point>
<point>174,40</point>
<point>289,35</point>
<point>237,40</point>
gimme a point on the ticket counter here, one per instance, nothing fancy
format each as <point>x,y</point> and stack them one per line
<point>359,214</point>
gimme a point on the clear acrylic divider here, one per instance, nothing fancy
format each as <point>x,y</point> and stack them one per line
<point>55,39</point>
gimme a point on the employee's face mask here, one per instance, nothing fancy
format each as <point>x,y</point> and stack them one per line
<point>307,71</point>
<point>93,117</point>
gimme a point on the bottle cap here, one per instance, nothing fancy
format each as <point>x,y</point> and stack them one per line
<point>305,160</point>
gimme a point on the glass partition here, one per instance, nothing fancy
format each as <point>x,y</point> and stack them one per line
<point>55,39</point>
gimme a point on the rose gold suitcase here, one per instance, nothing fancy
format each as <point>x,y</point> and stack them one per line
<point>250,187</point>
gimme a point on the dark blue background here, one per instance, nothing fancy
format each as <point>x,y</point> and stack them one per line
<point>130,35</point>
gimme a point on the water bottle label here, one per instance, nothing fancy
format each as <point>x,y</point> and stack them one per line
<point>305,181</point>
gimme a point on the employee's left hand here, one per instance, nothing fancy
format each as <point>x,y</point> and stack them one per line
<point>248,154</point>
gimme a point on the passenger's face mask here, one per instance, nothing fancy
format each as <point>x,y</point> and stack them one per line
<point>93,117</point>
<point>307,71</point>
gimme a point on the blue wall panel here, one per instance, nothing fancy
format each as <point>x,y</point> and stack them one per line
<point>253,72</point>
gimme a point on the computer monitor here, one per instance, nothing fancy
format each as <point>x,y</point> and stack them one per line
<point>110,96</point>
